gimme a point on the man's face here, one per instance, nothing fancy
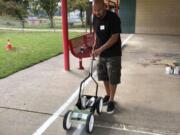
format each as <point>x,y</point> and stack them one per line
<point>99,10</point>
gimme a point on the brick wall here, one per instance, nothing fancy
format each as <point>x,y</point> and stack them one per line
<point>158,16</point>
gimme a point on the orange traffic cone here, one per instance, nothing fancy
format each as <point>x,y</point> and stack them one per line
<point>9,46</point>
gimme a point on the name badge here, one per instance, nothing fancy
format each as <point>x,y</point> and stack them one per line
<point>102,27</point>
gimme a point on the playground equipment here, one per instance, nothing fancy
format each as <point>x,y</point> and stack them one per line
<point>81,47</point>
<point>85,107</point>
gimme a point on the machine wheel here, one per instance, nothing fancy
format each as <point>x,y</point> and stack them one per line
<point>90,123</point>
<point>99,105</point>
<point>67,120</point>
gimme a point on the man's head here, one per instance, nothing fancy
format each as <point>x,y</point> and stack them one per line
<point>99,9</point>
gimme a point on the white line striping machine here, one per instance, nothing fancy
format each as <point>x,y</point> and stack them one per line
<point>85,107</point>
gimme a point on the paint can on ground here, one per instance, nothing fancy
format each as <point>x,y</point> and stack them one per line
<point>169,70</point>
<point>176,70</point>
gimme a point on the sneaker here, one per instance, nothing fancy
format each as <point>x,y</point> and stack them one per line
<point>106,100</point>
<point>110,107</point>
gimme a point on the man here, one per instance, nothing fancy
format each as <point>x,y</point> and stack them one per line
<point>106,25</point>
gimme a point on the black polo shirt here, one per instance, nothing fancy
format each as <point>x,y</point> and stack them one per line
<point>104,29</point>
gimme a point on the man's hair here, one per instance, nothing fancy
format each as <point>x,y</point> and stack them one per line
<point>98,1</point>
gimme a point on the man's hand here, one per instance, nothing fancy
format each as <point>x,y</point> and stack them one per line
<point>97,52</point>
<point>112,40</point>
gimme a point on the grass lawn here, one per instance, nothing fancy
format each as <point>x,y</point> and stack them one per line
<point>30,48</point>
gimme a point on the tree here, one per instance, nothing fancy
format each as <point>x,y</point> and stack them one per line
<point>81,5</point>
<point>17,8</point>
<point>50,6</point>
<point>34,8</point>
<point>2,6</point>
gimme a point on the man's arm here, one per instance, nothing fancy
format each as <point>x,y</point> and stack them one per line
<point>112,40</point>
<point>94,43</point>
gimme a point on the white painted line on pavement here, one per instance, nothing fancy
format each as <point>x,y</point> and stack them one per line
<point>128,130</point>
<point>79,129</point>
<point>51,119</point>
<point>125,41</point>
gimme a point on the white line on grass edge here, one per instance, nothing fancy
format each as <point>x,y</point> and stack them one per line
<point>55,115</point>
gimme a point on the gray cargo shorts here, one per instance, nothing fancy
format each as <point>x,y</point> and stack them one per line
<point>109,69</point>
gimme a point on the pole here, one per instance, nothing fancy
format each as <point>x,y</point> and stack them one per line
<point>65,34</point>
<point>117,7</point>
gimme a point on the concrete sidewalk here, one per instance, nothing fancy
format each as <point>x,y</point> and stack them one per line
<point>147,101</point>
